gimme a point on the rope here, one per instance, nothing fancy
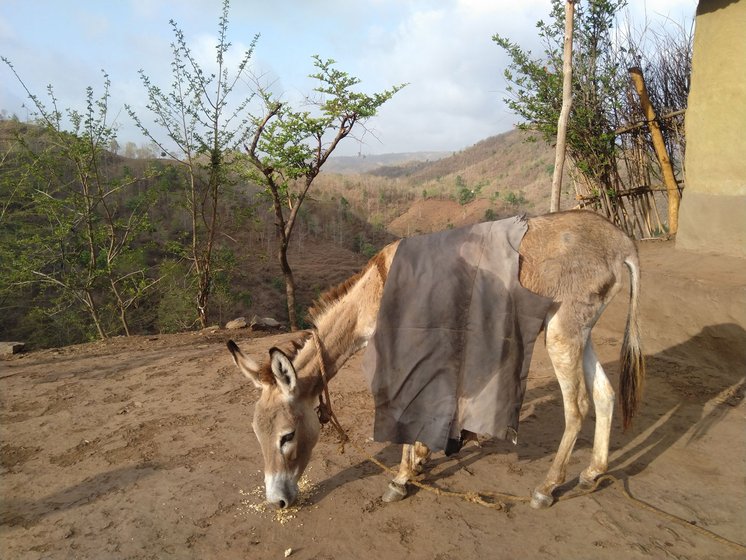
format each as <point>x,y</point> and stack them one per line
<point>494,500</point>
<point>325,412</point>
<point>671,517</point>
<point>486,499</point>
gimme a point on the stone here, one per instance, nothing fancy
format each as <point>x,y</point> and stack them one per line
<point>264,323</point>
<point>9,348</point>
<point>237,323</point>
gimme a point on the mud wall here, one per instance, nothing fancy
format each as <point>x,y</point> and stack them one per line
<point>713,209</point>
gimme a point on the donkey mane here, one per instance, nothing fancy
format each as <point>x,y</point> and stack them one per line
<point>334,294</point>
<point>325,302</point>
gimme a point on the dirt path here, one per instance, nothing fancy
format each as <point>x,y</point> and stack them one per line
<point>143,448</point>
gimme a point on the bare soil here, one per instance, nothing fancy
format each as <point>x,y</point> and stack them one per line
<point>142,448</point>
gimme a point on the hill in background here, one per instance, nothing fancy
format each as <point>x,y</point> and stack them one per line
<point>355,207</point>
<point>500,176</point>
<point>378,163</point>
<point>350,216</point>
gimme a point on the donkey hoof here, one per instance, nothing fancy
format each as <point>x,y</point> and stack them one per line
<point>541,501</point>
<point>395,493</point>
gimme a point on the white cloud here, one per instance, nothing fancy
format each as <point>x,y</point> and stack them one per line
<point>446,54</point>
<point>443,48</point>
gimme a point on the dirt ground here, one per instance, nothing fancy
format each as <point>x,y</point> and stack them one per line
<point>142,448</point>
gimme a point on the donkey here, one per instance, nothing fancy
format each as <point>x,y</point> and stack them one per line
<point>576,258</point>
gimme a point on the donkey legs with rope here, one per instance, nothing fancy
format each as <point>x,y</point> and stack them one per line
<point>575,259</point>
<point>582,283</point>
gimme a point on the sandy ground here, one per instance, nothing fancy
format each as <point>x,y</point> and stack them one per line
<point>142,448</point>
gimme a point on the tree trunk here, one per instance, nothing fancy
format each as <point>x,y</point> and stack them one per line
<point>122,307</point>
<point>559,157</point>
<point>669,179</point>
<point>282,256</point>
<point>93,310</point>
<point>203,294</point>
<point>123,320</point>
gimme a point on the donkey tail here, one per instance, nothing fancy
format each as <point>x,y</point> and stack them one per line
<point>632,359</point>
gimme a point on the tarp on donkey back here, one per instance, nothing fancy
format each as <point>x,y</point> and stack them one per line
<point>454,336</point>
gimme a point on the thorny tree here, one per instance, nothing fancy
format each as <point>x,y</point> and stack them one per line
<point>290,146</point>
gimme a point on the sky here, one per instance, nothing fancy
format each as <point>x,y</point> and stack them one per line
<point>442,49</point>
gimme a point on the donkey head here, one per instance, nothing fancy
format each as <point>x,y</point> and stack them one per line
<point>285,422</point>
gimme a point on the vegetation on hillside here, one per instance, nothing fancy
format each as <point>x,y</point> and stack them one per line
<point>71,217</point>
<point>102,251</point>
<point>337,230</point>
<point>503,175</point>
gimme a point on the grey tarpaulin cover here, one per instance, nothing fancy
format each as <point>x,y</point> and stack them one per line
<point>454,336</point>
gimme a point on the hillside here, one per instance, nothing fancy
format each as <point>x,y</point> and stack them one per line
<point>346,219</point>
<point>349,216</point>
<point>500,176</point>
<point>380,163</point>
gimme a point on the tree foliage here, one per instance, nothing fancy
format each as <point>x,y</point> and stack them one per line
<point>290,146</point>
<point>202,134</point>
<point>598,85</point>
<point>69,222</point>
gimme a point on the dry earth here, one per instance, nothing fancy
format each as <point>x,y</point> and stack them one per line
<point>142,448</point>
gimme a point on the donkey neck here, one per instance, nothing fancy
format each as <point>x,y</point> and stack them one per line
<point>346,324</point>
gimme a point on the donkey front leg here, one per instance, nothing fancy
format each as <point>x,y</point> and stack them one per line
<point>412,461</point>
<point>565,348</point>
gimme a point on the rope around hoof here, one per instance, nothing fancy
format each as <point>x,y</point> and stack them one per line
<point>486,499</point>
<point>495,500</point>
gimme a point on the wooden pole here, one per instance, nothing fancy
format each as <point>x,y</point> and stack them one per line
<point>660,150</point>
<point>559,157</point>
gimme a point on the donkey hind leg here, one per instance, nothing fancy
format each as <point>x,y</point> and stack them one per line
<point>603,401</point>
<point>565,349</point>
<point>413,459</point>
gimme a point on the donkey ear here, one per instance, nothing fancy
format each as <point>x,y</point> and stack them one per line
<point>283,370</point>
<point>247,366</point>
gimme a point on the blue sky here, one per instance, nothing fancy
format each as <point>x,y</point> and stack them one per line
<point>442,48</point>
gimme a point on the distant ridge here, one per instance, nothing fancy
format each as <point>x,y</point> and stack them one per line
<point>370,163</point>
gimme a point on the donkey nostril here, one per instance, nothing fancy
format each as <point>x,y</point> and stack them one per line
<point>282,504</point>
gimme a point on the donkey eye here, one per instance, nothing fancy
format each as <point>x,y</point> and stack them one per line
<point>287,438</point>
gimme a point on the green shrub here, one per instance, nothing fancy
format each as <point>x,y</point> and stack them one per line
<point>515,199</point>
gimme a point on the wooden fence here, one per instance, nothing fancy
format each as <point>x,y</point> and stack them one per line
<point>632,201</point>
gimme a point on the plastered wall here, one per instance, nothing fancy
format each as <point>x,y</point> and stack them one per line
<point>713,209</point>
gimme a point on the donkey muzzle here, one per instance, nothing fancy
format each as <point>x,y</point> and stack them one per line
<point>280,491</point>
